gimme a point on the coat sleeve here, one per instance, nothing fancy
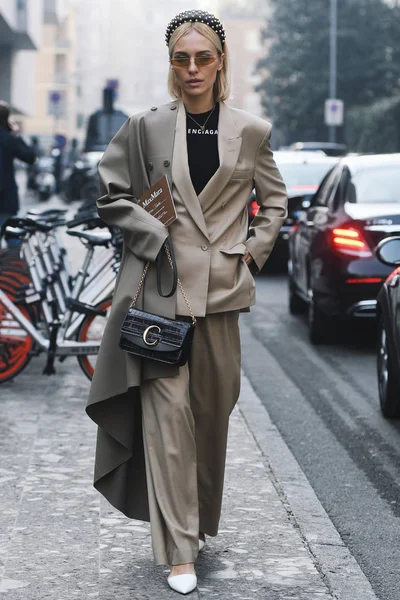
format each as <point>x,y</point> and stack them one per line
<point>22,151</point>
<point>271,196</point>
<point>144,235</point>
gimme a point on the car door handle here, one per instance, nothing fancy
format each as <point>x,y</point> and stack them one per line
<point>310,223</point>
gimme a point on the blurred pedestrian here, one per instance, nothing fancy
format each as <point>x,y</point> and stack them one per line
<point>57,154</point>
<point>12,146</point>
<point>73,153</point>
<point>32,169</point>
<point>163,429</point>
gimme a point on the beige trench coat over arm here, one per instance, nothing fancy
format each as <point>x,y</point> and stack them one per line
<point>271,196</point>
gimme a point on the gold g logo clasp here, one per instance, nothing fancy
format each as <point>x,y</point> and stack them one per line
<point>146,333</point>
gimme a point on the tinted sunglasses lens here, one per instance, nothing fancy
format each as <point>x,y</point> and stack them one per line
<point>203,61</point>
<point>180,62</point>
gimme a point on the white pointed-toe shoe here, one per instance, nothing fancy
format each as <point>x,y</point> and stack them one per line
<point>184,584</point>
<point>202,543</point>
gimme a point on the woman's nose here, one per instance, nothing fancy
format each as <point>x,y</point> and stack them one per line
<point>192,68</point>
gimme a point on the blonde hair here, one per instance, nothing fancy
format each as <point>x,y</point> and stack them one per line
<point>222,83</point>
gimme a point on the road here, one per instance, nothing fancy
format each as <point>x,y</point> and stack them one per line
<point>324,401</point>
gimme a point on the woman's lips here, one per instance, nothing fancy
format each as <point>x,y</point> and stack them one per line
<point>194,82</point>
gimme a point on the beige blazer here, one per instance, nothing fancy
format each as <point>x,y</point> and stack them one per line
<point>209,237</point>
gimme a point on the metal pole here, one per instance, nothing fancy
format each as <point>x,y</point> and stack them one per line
<point>333,62</point>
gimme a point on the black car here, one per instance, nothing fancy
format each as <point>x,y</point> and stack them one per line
<point>388,348</point>
<point>333,268</point>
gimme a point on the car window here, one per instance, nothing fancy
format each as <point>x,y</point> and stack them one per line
<point>303,174</point>
<point>336,198</point>
<point>324,193</point>
<point>376,184</point>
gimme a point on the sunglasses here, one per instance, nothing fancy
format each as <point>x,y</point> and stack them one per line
<point>199,61</point>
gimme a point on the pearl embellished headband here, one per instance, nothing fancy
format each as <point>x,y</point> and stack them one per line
<point>196,16</point>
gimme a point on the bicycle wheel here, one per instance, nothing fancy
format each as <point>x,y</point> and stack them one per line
<point>92,329</point>
<point>15,344</point>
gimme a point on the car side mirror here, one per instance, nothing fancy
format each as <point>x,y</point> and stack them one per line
<point>388,251</point>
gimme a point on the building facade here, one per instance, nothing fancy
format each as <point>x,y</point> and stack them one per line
<point>20,36</point>
<point>243,22</point>
<point>56,85</point>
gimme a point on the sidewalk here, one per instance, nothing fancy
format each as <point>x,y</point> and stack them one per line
<point>60,540</point>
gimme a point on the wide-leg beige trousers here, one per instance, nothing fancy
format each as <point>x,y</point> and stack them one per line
<point>185,429</point>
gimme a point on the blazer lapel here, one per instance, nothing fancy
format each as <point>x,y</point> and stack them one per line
<point>229,144</point>
<point>181,174</point>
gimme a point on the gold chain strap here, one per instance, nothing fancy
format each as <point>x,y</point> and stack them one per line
<point>136,296</point>
<point>146,268</point>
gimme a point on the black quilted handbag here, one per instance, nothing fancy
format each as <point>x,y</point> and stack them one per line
<point>154,337</point>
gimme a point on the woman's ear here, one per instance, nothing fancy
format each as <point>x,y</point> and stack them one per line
<point>221,61</point>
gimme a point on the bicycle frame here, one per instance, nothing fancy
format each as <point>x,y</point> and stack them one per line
<point>53,283</point>
<point>64,347</point>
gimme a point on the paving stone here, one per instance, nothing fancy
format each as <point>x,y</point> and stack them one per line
<point>59,539</point>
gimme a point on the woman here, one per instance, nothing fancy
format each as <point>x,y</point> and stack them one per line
<point>163,430</point>
<point>12,146</point>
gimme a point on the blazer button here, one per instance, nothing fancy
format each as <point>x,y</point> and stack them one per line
<point>151,166</point>
<point>204,247</point>
<point>223,204</point>
<point>166,163</point>
<point>154,108</point>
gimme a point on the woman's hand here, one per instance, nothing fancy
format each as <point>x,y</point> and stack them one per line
<point>14,127</point>
<point>248,259</point>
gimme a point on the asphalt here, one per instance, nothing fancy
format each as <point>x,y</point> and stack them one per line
<point>324,402</point>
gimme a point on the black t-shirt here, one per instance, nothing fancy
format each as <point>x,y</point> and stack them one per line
<point>202,147</point>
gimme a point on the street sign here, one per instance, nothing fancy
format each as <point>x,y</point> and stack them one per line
<point>56,107</point>
<point>112,83</point>
<point>334,112</point>
<point>55,97</point>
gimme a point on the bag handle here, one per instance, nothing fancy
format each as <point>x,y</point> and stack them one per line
<point>174,270</point>
<point>171,259</point>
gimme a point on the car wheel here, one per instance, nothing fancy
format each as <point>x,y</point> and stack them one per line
<point>297,306</point>
<point>388,384</point>
<point>319,324</point>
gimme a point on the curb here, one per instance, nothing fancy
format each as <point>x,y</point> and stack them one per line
<point>339,569</point>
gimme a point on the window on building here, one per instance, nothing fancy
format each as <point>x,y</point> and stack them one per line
<point>21,15</point>
<point>253,76</point>
<point>252,41</point>
<point>252,103</point>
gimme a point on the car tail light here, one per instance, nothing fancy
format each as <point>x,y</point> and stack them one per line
<point>393,274</point>
<point>253,209</point>
<point>365,280</point>
<point>349,241</point>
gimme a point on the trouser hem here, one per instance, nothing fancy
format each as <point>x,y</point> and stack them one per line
<point>178,557</point>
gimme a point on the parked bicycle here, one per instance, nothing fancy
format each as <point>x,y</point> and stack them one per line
<point>44,307</point>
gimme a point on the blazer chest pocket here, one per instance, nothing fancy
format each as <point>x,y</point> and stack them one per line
<point>241,174</point>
